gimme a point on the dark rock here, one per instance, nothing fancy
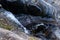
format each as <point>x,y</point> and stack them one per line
<point>28,19</point>
<point>9,16</point>
<point>44,30</point>
<point>10,28</point>
<point>41,21</point>
<point>37,8</point>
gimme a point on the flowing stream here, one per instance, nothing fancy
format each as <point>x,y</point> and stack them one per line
<point>12,18</point>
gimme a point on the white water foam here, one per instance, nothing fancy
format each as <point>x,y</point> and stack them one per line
<point>12,17</point>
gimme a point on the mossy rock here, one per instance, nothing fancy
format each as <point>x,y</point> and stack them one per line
<point>4,24</point>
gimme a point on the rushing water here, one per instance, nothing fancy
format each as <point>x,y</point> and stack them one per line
<point>42,30</point>
<point>11,17</point>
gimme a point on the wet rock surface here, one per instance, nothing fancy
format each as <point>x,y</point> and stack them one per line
<point>42,26</point>
<point>10,29</point>
<point>40,29</point>
<point>36,7</point>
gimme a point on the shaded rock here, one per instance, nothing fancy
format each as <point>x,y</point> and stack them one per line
<point>5,15</point>
<point>39,27</point>
<point>57,33</point>
<point>9,22</point>
<point>33,7</point>
<point>46,31</point>
<point>28,19</point>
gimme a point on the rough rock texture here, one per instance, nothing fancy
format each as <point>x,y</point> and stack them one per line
<point>8,21</point>
<point>56,4</point>
<point>42,27</point>
<point>28,19</point>
<point>8,35</point>
<point>32,7</point>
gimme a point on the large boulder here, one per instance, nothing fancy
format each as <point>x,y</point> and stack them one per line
<point>33,7</point>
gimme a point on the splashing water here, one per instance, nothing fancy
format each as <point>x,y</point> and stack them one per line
<point>12,17</point>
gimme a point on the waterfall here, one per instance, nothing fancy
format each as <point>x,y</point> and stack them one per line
<point>12,17</point>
